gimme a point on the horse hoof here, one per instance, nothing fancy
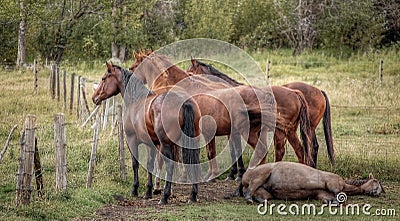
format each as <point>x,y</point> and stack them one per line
<point>192,201</point>
<point>162,202</point>
<point>135,193</point>
<point>229,178</point>
<point>249,201</point>
<point>157,191</point>
<point>147,196</point>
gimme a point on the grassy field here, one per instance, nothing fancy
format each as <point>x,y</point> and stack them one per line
<point>365,123</point>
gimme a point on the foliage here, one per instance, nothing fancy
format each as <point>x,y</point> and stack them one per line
<point>86,29</point>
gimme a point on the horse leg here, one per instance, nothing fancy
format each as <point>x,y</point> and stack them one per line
<point>326,197</point>
<point>150,168</point>
<point>315,148</point>
<point>296,144</point>
<point>232,151</point>
<point>261,195</point>
<point>279,144</point>
<point>238,152</point>
<point>166,150</point>
<point>259,145</point>
<point>133,148</point>
<point>160,163</point>
<point>212,160</point>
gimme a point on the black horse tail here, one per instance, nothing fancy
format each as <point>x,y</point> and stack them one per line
<point>190,146</point>
<point>328,129</point>
<point>305,130</point>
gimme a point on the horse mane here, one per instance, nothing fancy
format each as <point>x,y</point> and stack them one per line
<point>136,89</point>
<point>219,74</point>
<point>356,182</point>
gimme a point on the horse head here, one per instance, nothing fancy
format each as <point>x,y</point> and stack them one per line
<point>110,84</point>
<point>372,186</point>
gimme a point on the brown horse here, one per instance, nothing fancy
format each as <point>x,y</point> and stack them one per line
<point>291,107</point>
<point>317,102</point>
<point>319,106</point>
<point>292,181</point>
<point>169,120</point>
<point>231,108</point>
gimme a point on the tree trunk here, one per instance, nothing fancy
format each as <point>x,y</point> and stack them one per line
<point>21,55</point>
<point>118,47</point>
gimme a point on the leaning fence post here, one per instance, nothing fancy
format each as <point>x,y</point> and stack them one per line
<point>60,158</point>
<point>92,161</point>
<point>84,99</point>
<point>121,143</point>
<point>25,171</point>
<point>7,142</point>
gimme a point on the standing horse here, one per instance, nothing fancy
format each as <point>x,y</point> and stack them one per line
<point>316,100</point>
<point>319,105</point>
<point>157,71</point>
<point>167,119</point>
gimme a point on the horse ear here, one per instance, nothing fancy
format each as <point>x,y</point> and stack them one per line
<point>193,60</point>
<point>136,55</point>
<point>109,65</point>
<point>371,176</point>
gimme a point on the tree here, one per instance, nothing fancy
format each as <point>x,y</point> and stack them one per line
<point>21,55</point>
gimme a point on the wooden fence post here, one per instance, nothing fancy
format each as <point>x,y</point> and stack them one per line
<point>121,143</point>
<point>65,89</point>
<point>60,158</point>
<point>58,82</point>
<point>84,100</point>
<point>381,70</point>
<point>78,99</point>
<point>268,69</point>
<point>35,73</point>
<point>7,142</point>
<point>25,171</point>
<point>106,112</point>
<point>92,161</point>
<point>71,103</point>
<point>38,171</point>
<point>53,67</point>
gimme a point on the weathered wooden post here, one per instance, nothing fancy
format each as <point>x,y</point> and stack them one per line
<point>381,70</point>
<point>84,100</point>
<point>71,102</point>
<point>35,73</point>
<point>93,154</point>
<point>7,142</point>
<point>26,166</point>
<point>38,171</point>
<point>58,82</point>
<point>268,69</point>
<point>60,154</point>
<point>78,99</point>
<point>65,89</point>
<point>106,112</point>
<point>121,143</point>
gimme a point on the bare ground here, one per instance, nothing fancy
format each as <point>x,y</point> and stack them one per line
<point>137,208</point>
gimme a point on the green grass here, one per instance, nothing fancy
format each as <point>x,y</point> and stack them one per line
<point>366,138</point>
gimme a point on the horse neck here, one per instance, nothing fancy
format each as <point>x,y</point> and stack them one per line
<point>175,74</point>
<point>351,189</point>
<point>221,77</point>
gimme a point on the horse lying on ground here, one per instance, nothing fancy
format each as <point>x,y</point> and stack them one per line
<point>293,181</point>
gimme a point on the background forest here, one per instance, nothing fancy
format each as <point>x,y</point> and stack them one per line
<point>87,30</point>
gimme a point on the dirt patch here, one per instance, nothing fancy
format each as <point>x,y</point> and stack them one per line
<point>137,208</point>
